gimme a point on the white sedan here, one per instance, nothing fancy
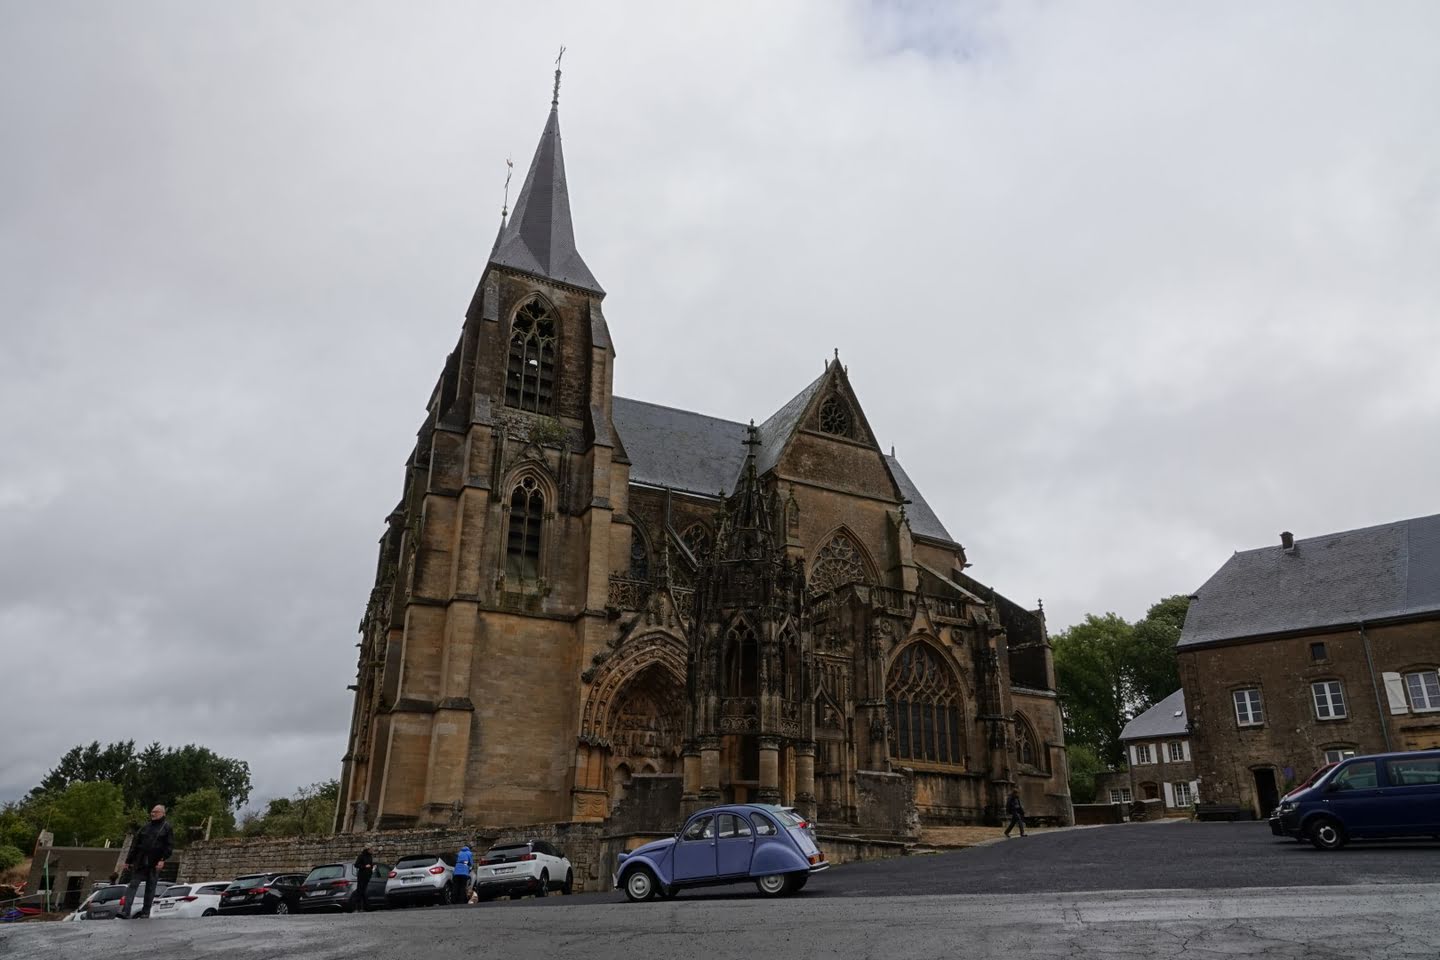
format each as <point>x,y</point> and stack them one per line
<point>190,900</point>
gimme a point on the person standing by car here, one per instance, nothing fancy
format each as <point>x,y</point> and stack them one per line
<point>364,866</point>
<point>463,861</point>
<point>1017,813</point>
<point>149,850</point>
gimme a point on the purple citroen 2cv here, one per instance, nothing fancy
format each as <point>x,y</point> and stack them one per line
<point>737,843</point>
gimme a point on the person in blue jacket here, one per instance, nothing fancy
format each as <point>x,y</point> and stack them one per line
<point>464,860</point>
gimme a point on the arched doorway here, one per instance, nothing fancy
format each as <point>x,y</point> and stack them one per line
<point>645,726</point>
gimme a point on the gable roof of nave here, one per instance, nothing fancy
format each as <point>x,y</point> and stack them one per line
<point>695,453</point>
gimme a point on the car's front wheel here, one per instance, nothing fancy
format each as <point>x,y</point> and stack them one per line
<point>210,913</point>
<point>639,885</point>
<point>1327,834</point>
<point>773,885</point>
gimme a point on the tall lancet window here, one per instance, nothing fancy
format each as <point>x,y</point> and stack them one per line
<point>742,662</point>
<point>522,546</point>
<point>530,372</point>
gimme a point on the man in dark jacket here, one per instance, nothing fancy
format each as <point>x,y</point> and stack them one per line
<point>364,866</point>
<point>1017,813</point>
<point>149,850</point>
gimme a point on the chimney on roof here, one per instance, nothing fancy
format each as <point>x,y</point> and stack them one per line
<point>1287,541</point>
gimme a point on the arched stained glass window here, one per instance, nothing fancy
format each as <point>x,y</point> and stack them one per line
<point>925,714</point>
<point>522,545</point>
<point>837,564</point>
<point>1027,747</point>
<point>742,661</point>
<point>639,556</point>
<point>530,371</point>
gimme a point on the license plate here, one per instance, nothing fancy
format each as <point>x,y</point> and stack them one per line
<point>410,879</point>
<point>503,869</point>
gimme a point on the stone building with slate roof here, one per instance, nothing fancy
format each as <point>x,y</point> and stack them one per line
<point>1157,750</point>
<point>1311,650</point>
<point>584,601</point>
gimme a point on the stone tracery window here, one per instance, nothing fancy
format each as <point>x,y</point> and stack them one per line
<point>835,416</point>
<point>1027,748</point>
<point>741,666</point>
<point>522,544</point>
<point>838,563</point>
<point>530,370</point>
<point>925,714</point>
<point>698,541</point>
<point>639,556</point>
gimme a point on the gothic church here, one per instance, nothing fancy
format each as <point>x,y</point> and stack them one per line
<point>582,598</point>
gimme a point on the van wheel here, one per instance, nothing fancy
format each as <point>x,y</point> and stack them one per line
<point>1327,834</point>
<point>639,885</point>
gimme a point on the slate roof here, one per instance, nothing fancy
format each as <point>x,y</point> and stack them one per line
<point>923,521</point>
<point>539,239</point>
<point>1166,719</point>
<point>1340,579</point>
<point>694,453</point>
<point>679,449</point>
<point>775,431</point>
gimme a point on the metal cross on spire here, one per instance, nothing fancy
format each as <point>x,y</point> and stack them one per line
<point>555,100</point>
<point>509,170</point>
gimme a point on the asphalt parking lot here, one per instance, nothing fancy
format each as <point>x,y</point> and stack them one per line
<point>1151,890</point>
<point>1167,855</point>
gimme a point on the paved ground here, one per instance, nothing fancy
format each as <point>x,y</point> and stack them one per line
<point>1139,856</point>
<point>1309,922</point>
<point>1137,890</point>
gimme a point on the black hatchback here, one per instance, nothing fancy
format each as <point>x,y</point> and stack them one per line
<point>262,893</point>
<point>335,886</point>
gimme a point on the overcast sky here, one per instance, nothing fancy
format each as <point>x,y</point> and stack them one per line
<point>1128,286</point>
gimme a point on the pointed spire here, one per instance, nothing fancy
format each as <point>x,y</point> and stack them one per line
<point>539,238</point>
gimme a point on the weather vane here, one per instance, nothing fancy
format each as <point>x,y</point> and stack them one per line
<point>555,100</point>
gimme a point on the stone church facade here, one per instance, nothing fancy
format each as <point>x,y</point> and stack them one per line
<point>578,593</point>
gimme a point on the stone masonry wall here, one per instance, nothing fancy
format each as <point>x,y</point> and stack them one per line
<point>583,843</point>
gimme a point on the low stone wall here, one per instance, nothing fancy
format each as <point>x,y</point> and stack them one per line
<point>850,849</point>
<point>593,851</point>
<point>236,856</point>
<point>1090,814</point>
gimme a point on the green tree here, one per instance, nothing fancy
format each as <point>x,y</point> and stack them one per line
<point>83,814</point>
<point>192,811</point>
<point>18,826</point>
<point>1084,765</point>
<point>154,774</point>
<point>10,857</point>
<point>1092,671</point>
<point>310,811</point>
<point>1154,668</point>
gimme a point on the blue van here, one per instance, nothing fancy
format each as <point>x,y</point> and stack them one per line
<point>1364,798</point>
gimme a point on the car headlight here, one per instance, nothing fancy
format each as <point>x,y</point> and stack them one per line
<point>1287,807</point>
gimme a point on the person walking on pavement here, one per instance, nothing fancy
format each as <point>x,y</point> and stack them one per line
<point>463,861</point>
<point>364,866</point>
<point>1017,813</point>
<point>149,850</point>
